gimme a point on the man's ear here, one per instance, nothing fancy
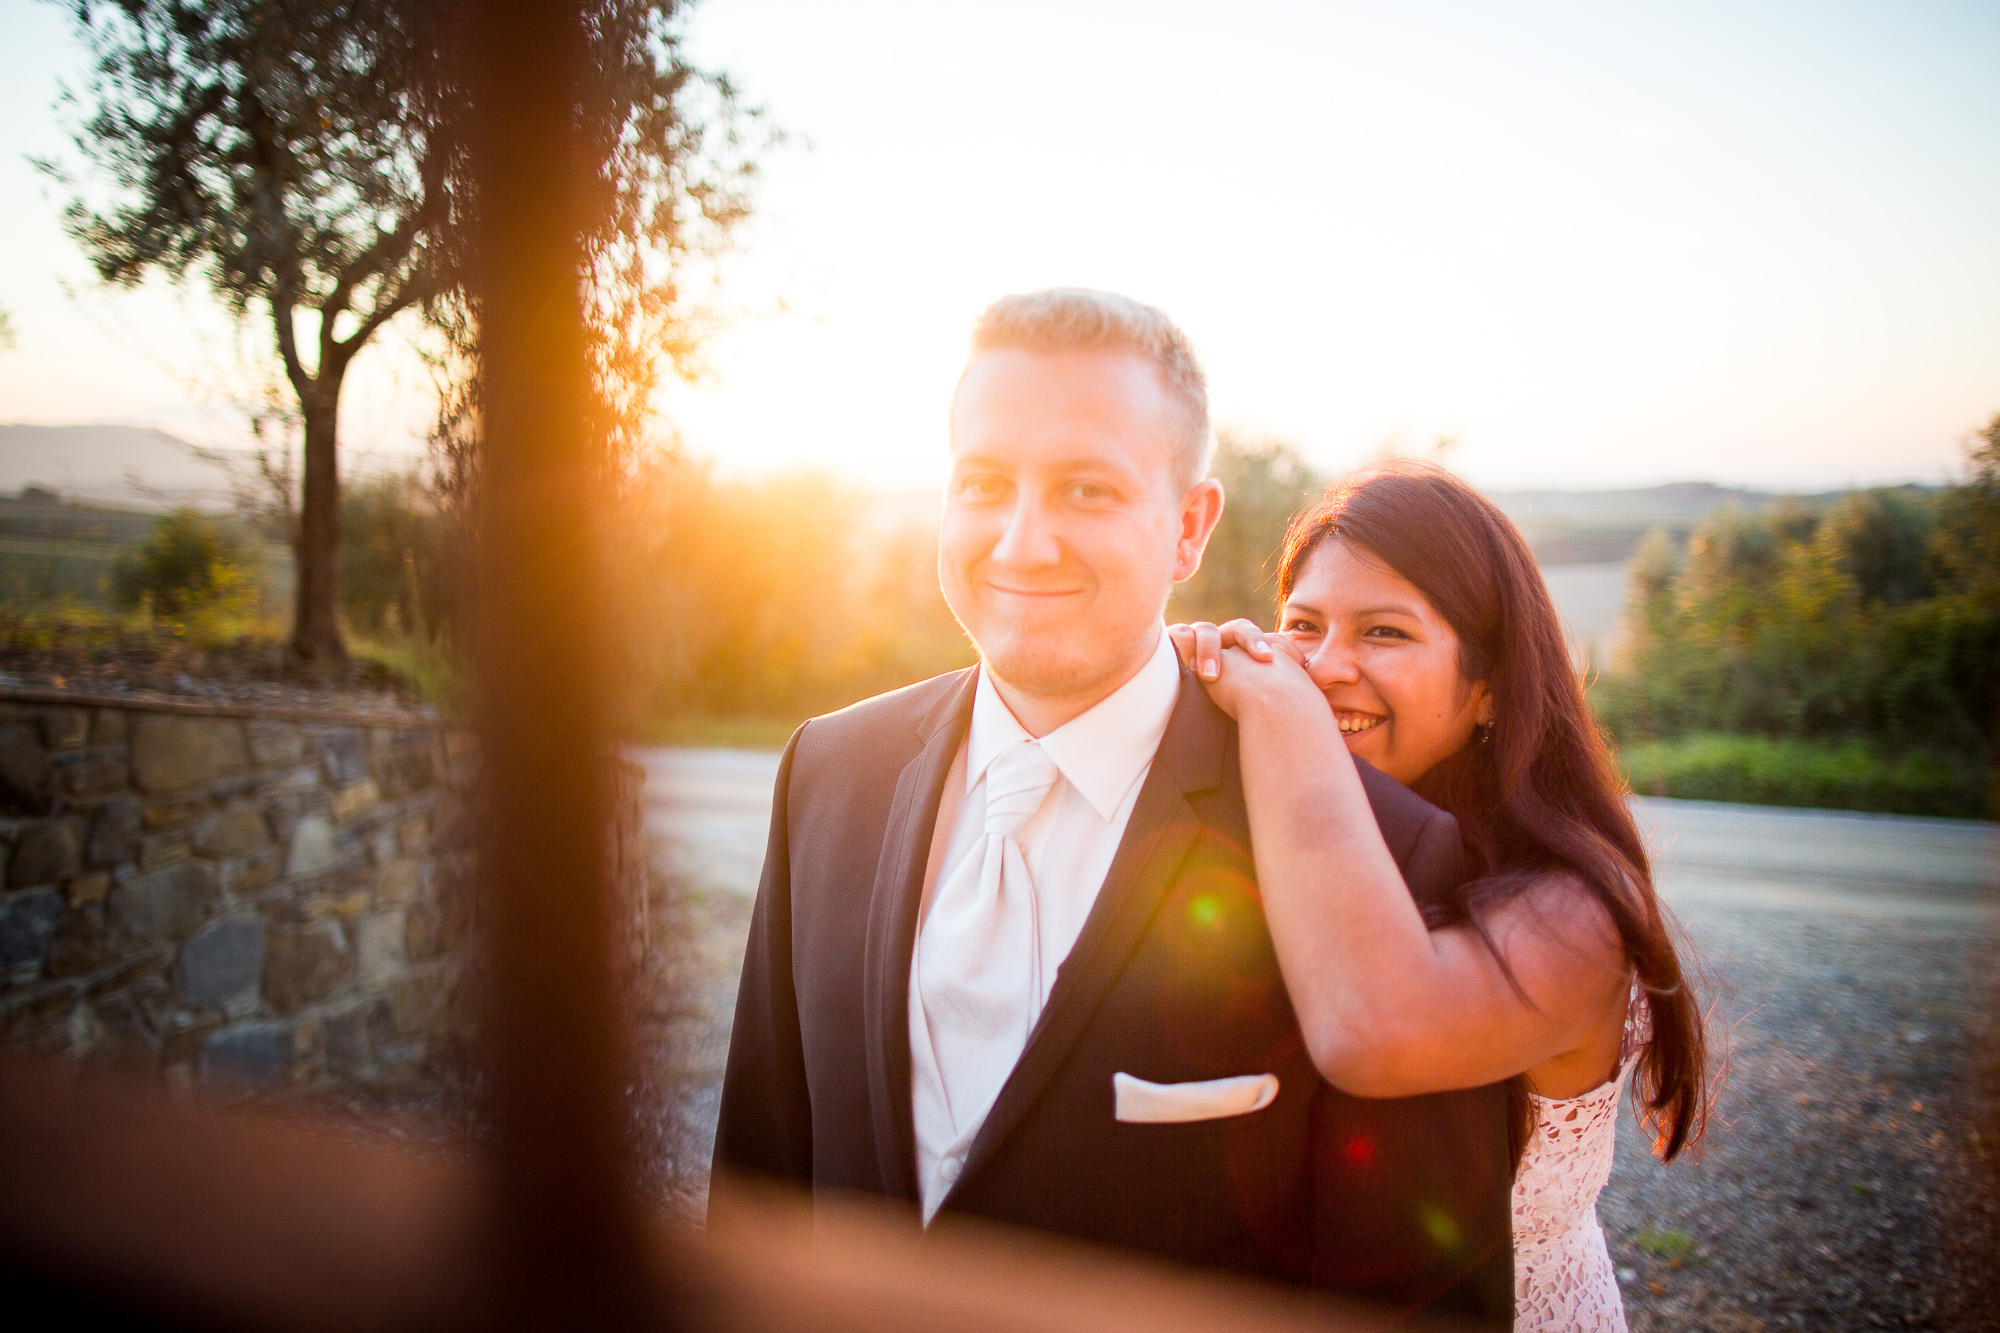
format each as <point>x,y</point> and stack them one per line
<point>1201,508</point>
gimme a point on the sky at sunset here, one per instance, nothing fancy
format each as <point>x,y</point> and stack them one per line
<point>1598,244</point>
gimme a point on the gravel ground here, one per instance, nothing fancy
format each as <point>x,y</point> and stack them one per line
<point>1847,1177</point>
<point>684,1039</point>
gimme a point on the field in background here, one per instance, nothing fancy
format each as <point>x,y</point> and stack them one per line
<point>51,550</point>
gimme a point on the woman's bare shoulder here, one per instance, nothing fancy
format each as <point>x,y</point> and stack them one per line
<point>1559,926</point>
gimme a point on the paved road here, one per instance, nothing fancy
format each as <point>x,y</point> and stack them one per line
<point>709,810</point>
<point>1847,965</point>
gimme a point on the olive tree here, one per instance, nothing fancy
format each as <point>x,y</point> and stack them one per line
<point>304,159</point>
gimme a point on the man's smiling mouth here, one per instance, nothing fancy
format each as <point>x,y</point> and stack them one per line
<point>1353,724</point>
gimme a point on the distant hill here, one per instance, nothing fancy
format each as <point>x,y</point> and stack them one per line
<point>1603,527</point>
<point>126,466</point>
<point>1686,501</point>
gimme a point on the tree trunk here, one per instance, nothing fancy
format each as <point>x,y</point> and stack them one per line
<point>316,609</point>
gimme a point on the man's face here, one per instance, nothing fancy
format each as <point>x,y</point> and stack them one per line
<point>1066,522</point>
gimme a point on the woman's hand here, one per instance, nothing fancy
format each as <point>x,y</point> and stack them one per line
<point>1200,645</point>
<point>1260,666</point>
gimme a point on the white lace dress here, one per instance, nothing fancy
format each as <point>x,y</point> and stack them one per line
<point>1563,1279</point>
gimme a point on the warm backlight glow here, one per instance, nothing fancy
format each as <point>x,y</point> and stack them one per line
<point>1596,245</point>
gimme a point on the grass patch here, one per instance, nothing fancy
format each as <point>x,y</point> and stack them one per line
<point>1822,775</point>
<point>420,668</point>
<point>1673,1246</point>
<point>36,571</point>
<point>84,628</point>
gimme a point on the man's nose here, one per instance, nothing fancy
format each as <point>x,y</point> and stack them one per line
<point>1028,540</point>
<point>1333,663</point>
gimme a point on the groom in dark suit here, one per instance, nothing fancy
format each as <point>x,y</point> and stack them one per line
<point>1008,959</point>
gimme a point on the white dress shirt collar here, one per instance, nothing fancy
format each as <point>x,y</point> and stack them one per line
<point>1101,751</point>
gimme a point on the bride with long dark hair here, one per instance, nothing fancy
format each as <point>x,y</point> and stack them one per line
<point>1415,633</point>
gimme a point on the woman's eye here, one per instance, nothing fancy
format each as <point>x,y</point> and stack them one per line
<point>1386,632</point>
<point>1297,627</point>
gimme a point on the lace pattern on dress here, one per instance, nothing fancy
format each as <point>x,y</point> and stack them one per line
<point>1563,1278</point>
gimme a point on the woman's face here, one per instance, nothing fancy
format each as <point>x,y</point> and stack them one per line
<point>1385,659</point>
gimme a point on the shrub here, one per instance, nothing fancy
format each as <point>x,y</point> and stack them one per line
<point>1867,632</point>
<point>187,565</point>
<point>1824,775</point>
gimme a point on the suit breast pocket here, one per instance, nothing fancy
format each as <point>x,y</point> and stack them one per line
<point>1145,1109</point>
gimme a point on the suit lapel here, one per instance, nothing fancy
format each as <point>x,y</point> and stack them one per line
<point>1157,838</point>
<point>892,925</point>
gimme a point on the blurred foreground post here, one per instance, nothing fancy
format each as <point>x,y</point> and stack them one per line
<point>569,1222</point>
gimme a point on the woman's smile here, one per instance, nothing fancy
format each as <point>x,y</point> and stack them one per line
<point>1353,723</point>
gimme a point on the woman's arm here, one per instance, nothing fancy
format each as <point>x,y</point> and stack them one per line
<point>1390,1008</point>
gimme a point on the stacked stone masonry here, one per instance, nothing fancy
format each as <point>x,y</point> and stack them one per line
<point>241,900</point>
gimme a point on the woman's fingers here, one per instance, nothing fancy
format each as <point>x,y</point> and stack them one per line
<point>1199,645</point>
<point>1246,635</point>
<point>1264,646</point>
<point>1207,650</point>
<point>1289,646</point>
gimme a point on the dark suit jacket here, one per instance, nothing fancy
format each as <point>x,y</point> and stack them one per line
<point>1173,979</point>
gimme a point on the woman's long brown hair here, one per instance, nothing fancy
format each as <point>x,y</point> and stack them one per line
<point>1538,795</point>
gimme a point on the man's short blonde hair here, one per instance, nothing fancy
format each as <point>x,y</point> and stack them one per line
<point>1076,319</point>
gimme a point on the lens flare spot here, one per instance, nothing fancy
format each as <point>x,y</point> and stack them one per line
<point>1440,1227</point>
<point>1206,911</point>
<point>1359,1150</point>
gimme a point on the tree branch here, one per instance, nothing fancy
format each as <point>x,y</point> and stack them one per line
<point>282,311</point>
<point>388,249</point>
<point>413,290</point>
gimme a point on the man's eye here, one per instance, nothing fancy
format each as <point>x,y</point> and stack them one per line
<point>1090,491</point>
<point>980,486</point>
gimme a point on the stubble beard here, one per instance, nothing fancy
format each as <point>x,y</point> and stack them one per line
<point>1044,667</point>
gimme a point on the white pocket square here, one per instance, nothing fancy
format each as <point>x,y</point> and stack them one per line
<point>1143,1103</point>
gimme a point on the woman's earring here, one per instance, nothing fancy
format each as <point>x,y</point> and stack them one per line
<point>1485,730</point>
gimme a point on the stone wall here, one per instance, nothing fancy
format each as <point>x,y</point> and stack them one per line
<point>234,896</point>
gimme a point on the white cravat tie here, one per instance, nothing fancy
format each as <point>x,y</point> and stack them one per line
<point>979,960</point>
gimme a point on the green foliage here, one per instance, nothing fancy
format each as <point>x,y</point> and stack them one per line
<point>400,562</point>
<point>1821,775</point>
<point>420,667</point>
<point>188,565</point>
<point>1874,621</point>
<point>772,599</point>
<point>1264,484</point>
<point>740,607</point>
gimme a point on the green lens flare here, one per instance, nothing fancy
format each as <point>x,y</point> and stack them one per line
<point>1444,1232</point>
